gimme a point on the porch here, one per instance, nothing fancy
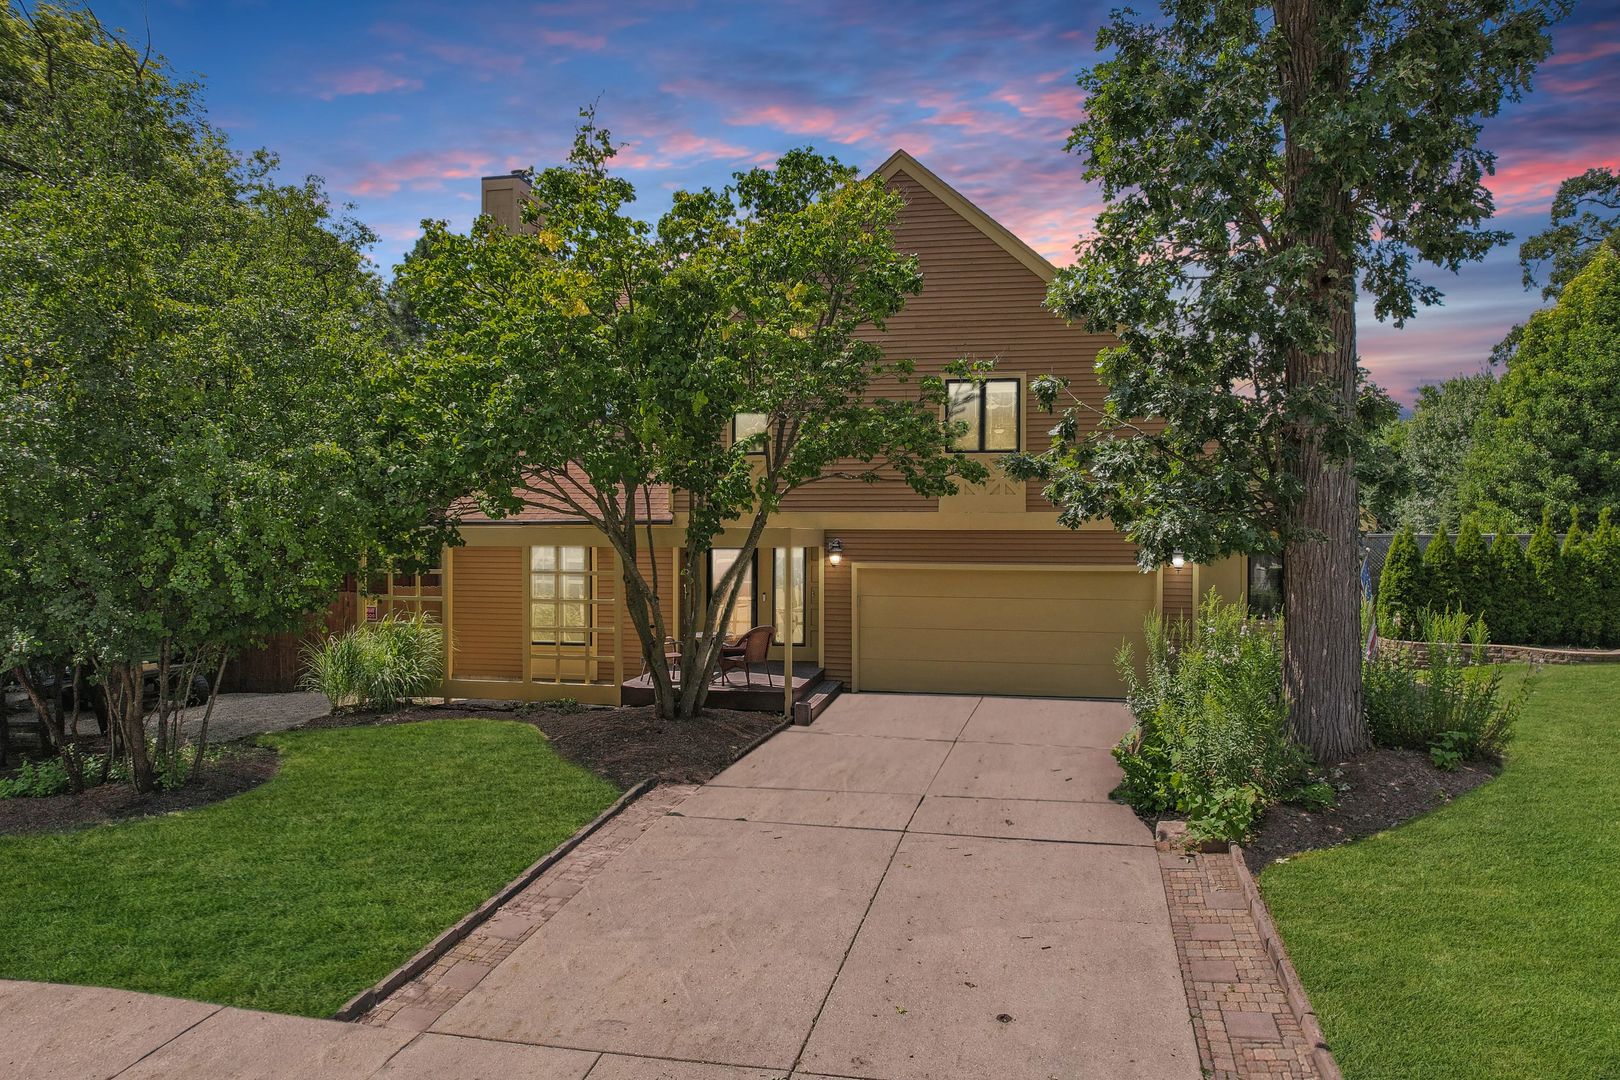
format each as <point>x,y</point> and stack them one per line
<point>761,692</point>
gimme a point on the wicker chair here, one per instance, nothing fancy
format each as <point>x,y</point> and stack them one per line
<point>672,659</point>
<point>746,653</point>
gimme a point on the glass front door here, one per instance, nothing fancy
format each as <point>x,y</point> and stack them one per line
<point>742,616</point>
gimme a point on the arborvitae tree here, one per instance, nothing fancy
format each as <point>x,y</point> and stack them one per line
<point>1400,587</point>
<point>1442,584</point>
<point>1605,549</point>
<point>1583,608</point>
<point>1548,625</point>
<point>1476,572</point>
<point>1509,616</point>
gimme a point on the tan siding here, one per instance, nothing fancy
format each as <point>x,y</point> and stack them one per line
<point>1229,579</point>
<point>487,613</point>
<point>1084,548</point>
<point>978,302</point>
<point>668,588</point>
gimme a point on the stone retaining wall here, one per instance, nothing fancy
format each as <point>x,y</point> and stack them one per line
<point>1507,654</point>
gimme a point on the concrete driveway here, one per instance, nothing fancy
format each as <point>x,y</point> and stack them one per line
<point>913,887</point>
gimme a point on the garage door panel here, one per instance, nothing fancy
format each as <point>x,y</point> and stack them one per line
<point>999,614</point>
<point>1038,680</point>
<point>1122,584</point>
<point>956,646</point>
<point>998,630</point>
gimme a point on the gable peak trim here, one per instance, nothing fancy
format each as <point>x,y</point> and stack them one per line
<point>902,162</point>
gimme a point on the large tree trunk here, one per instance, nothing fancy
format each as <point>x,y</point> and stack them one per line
<point>1322,613</point>
<point>122,682</point>
<point>1321,595</point>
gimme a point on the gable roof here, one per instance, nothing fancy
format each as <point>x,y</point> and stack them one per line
<point>902,162</point>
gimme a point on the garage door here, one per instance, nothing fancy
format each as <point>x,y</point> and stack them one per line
<point>997,630</point>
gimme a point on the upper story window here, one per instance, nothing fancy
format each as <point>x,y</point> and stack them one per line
<point>992,411</point>
<point>747,424</point>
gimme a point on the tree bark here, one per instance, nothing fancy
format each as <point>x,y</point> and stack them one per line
<point>50,714</point>
<point>1321,594</point>
<point>124,701</point>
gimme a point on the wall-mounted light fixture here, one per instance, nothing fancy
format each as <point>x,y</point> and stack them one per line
<point>1177,559</point>
<point>835,551</point>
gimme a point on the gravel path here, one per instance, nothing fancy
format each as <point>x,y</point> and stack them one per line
<point>236,716</point>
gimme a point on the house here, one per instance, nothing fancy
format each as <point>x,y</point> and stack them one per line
<point>980,592</point>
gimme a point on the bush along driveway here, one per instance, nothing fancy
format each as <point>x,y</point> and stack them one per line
<point>1479,940</point>
<point>296,895</point>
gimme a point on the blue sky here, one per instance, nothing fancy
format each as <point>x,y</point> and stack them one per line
<point>402,106</point>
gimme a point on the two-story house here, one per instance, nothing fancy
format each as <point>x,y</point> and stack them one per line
<point>980,592</point>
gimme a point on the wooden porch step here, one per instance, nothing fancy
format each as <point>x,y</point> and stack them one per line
<point>816,701</point>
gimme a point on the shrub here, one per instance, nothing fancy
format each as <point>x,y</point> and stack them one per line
<point>49,776</point>
<point>377,666</point>
<point>1211,735</point>
<point>1605,552</point>
<point>1400,586</point>
<point>1454,707</point>
<point>35,780</point>
<point>1476,571</point>
<point>1510,614</point>
<point>1583,603</point>
<point>1547,624</point>
<point>1442,583</point>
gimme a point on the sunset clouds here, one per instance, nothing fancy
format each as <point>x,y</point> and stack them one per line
<point>402,106</point>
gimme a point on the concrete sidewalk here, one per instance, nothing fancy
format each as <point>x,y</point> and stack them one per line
<point>913,888</point>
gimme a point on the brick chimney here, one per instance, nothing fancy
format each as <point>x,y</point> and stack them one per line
<point>504,197</point>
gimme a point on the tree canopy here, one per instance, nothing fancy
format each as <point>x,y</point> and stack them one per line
<point>1553,432</point>
<point>1428,450</point>
<point>1263,165</point>
<point>580,364</point>
<point>183,389</point>
<point>1585,219</point>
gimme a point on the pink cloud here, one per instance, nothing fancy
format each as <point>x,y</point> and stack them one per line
<point>574,39</point>
<point>485,63</point>
<point>1063,104</point>
<point>1592,52</point>
<point>424,170</point>
<point>363,80</point>
<point>835,124</point>
<point>1529,185</point>
<point>679,148</point>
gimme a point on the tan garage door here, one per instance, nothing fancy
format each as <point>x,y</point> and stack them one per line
<point>997,630</point>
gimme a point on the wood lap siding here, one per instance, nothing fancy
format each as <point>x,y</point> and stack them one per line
<point>1178,592</point>
<point>978,302</point>
<point>1084,548</point>
<point>487,617</point>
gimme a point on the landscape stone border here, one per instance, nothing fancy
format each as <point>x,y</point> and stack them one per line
<point>1299,1002</point>
<point>368,999</point>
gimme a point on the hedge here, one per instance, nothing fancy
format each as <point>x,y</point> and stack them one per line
<point>1550,594</point>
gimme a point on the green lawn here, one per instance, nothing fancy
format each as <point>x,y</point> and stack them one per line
<point>1482,940</point>
<point>295,896</point>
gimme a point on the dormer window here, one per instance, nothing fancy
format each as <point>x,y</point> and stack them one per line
<point>992,410</point>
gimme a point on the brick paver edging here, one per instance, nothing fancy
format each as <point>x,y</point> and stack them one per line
<point>1299,1003</point>
<point>368,999</point>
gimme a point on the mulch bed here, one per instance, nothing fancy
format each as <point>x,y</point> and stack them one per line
<point>1387,787</point>
<point>624,745</point>
<point>628,745</point>
<point>232,774</point>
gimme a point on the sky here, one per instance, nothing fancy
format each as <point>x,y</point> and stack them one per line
<point>402,106</point>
